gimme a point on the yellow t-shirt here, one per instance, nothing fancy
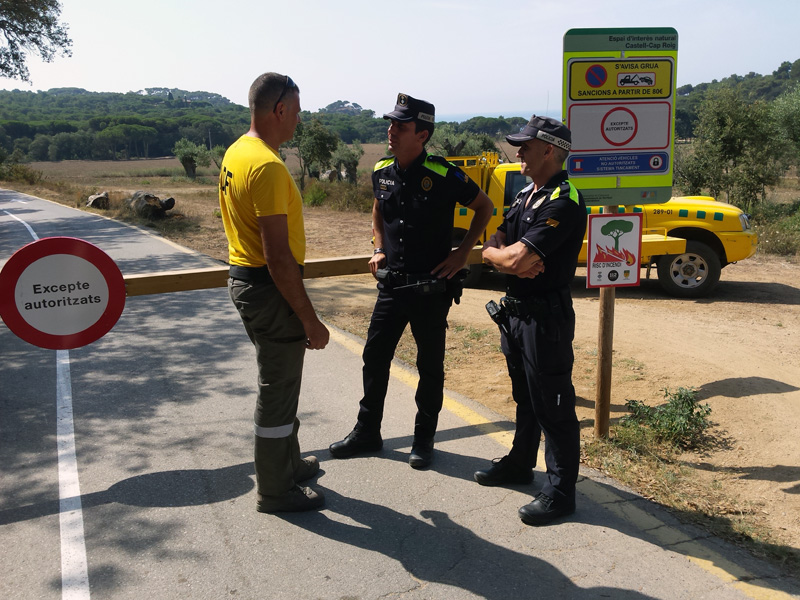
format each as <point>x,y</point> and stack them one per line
<point>254,182</point>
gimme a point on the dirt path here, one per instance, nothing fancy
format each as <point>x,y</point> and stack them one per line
<point>738,348</point>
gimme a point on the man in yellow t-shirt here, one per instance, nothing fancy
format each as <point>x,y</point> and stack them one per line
<point>262,213</point>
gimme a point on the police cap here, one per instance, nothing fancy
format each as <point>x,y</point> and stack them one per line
<point>543,128</point>
<point>411,109</point>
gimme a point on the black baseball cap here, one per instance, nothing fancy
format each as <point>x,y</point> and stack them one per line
<point>543,128</point>
<point>411,109</point>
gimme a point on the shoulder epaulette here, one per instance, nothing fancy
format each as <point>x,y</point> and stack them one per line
<point>565,189</point>
<point>383,163</point>
<point>437,164</point>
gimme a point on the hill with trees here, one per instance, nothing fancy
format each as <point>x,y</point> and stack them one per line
<point>751,87</point>
<point>72,123</point>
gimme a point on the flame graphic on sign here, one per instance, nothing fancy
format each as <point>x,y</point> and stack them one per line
<point>604,255</point>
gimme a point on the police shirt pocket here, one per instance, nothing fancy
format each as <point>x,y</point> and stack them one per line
<point>383,196</point>
<point>513,209</point>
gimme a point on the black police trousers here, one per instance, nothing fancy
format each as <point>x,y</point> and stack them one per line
<point>427,315</point>
<point>539,356</point>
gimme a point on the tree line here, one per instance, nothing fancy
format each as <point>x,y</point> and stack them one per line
<point>751,88</point>
<point>744,130</point>
<point>72,123</point>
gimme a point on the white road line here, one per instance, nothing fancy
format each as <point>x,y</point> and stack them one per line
<point>28,227</point>
<point>74,569</point>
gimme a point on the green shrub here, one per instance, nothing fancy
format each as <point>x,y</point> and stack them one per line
<point>778,227</point>
<point>18,172</point>
<point>680,422</point>
<point>315,194</point>
<point>339,195</point>
<point>346,196</point>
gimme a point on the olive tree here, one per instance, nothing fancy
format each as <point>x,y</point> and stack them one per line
<point>314,144</point>
<point>191,156</point>
<point>786,110</point>
<point>30,27</point>
<point>738,149</point>
<point>347,158</point>
<point>448,142</point>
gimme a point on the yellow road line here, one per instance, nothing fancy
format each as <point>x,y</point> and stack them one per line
<point>669,537</point>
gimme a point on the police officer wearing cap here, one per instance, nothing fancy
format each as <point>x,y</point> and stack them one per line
<point>415,264</point>
<point>537,246</point>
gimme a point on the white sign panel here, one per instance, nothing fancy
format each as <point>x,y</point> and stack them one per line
<point>614,250</point>
<point>609,126</point>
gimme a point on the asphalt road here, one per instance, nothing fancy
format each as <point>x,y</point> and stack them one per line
<point>125,472</point>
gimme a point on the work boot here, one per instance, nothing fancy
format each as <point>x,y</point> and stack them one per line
<point>545,509</point>
<point>308,467</point>
<point>356,442</point>
<point>421,454</point>
<point>295,500</point>
<point>503,472</point>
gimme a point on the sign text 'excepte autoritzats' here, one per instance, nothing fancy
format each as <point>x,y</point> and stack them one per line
<point>64,300</point>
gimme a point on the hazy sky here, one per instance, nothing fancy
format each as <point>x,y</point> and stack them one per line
<point>465,56</point>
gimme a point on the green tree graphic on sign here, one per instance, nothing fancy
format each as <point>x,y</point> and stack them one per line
<point>616,229</point>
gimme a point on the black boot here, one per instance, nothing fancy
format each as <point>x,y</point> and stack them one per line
<point>503,472</point>
<point>421,454</point>
<point>356,442</point>
<point>545,509</point>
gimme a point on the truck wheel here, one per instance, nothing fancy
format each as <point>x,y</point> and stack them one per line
<point>692,274</point>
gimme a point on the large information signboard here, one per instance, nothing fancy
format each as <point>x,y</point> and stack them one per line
<point>619,99</point>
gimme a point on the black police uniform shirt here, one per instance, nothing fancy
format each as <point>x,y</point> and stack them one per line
<point>552,224</point>
<point>417,206</point>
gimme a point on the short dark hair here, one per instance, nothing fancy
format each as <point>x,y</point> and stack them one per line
<point>424,126</point>
<point>560,154</point>
<point>267,90</point>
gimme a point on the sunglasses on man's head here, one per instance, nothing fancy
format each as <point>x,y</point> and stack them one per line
<point>286,86</point>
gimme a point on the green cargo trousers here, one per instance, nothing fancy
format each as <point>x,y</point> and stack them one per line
<point>280,344</point>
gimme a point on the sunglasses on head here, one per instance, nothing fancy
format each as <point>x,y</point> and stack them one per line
<point>286,86</point>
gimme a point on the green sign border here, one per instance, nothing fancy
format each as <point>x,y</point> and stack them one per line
<point>623,43</point>
<point>600,40</point>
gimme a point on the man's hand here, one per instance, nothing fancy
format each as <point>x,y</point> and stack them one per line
<point>317,334</point>
<point>376,262</point>
<point>498,240</point>
<point>538,267</point>
<point>515,259</point>
<point>451,265</point>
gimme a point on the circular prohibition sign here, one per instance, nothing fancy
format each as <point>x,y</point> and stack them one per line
<point>61,293</point>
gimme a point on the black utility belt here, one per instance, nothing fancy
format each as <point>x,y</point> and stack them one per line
<point>547,304</point>
<point>421,283</point>
<point>398,278</point>
<point>254,274</point>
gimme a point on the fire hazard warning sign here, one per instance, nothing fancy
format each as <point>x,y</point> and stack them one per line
<point>614,250</point>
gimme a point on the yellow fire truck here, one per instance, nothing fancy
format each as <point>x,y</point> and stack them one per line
<point>688,239</point>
